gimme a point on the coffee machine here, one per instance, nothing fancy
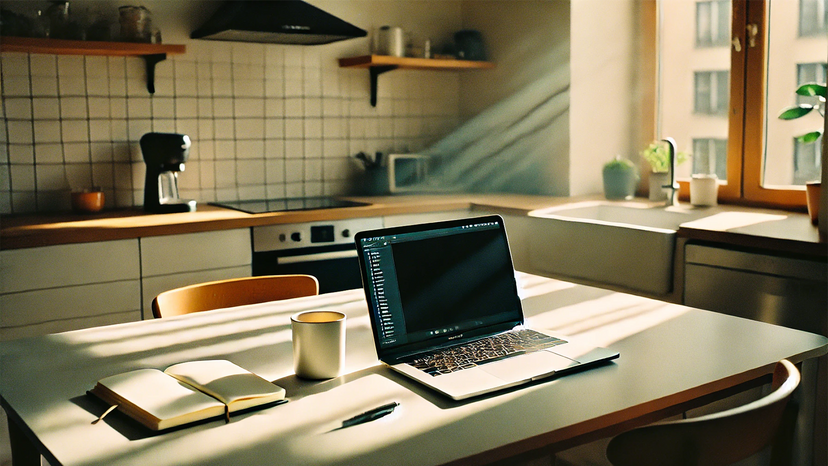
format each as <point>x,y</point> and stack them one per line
<point>165,154</point>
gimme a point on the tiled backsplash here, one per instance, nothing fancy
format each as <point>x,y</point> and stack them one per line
<point>266,121</point>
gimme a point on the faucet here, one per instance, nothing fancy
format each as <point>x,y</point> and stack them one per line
<point>673,187</point>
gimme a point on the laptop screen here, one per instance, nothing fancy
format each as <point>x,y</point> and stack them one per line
<point>433,284</point>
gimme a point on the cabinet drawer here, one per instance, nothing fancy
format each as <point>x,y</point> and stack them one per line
<point>55,304</point>
<point>162,255</point>
<point>67,265</point>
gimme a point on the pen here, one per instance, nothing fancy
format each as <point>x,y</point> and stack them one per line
<point>371,415</point>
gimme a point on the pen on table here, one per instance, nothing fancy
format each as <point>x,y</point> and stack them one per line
<point>371,415</point>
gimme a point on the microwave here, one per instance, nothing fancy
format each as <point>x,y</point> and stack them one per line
<point>407,172</point>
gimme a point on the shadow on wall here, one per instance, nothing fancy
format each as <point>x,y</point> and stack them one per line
<point>506,147</point>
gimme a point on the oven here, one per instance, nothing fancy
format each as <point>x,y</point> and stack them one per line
<point>323,249</point>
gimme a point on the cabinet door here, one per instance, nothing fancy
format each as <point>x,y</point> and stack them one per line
<point>68,287</point>
<point>174,261</point>
<point>409,219</point>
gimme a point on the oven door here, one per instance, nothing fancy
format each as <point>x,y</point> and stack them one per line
<point>335,267</point>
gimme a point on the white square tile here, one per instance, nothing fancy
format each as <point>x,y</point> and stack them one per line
<point>225,128</point>
<point>333,128</point>
<point>294,149</point>
<point>331,107</point>
<point>49,153</point>
<point>45,86</point>
<point>274,128</point>
<point>250,149</point>
<point>5,203</point>
<point>274,88</point>
<point>71,86</point>
<point>225,149</point>
<point>76,152</point>
<point>21,154</point>
<point>186,87</point>
<point>294,87</point>
<point>164,87</point>
<point>250,128</point>
<point>188,126</point>
<point>275,171</point>
<point>100,152</point>
<point>313,107</point>
<point>274,56</point>
<point>46,131</point>
<point>118,130</point>
<point>135,129</point>
<point>22,177</point>
<point>74,131</point>
<point>117,86</point>
<point>313,169</point>
<point>207,173</point>
<point>50,177</point>
<point>275,150</point>
<point>15,64</point>
<point>205,107</point>
<point>20,132</point>
<point>163,107</point>
<point>334,148</point>
<point>5,178</point>
<point>275,108</point>
<point>121,153</point>
<point>43,65</point>
<point>314,188</point>
<point>275,191</point>
<point>294,170</point>
<point>250,172</point>
<point>24,201</point>
<point>99,107</point>
<point>16,86</point>
<point>225,173</point>
<point>294,107</point>
<point>103,177</point>
<point>294,128</point>
<point>139,107</point>
<point>71,65</point>
<point>73,108</point>
<point>184,69</point>
<point>295,189</point>
<point>136,87</point>
<point>248,107</point>
<point>223,107</point>
<point>18,108</point>
<point>293,57</point>
<point>100,130</point>
<point>78,176</point>
<point>313,128</point>
<point>313,148</point>
<point>206,129</point>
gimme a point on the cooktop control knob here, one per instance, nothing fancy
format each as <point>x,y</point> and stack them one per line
<point>296,237</point>
<point>346,233</point>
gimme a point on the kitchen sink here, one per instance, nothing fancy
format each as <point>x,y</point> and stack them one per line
<point>629,245</point>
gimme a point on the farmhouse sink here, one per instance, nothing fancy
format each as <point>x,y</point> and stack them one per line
<point>629,245</point>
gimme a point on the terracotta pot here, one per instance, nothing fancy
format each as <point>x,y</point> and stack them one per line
<point>87,201</point>
<point>813,190</point>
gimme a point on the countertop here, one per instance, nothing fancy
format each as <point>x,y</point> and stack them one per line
<point>773,230</point>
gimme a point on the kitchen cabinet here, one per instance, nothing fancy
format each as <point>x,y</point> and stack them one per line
<point>67,287</point>
<point>173,261</point>
<point>409,219</point>
<point>779,289</point>
<point>378,64</point>
<point>151,53</point>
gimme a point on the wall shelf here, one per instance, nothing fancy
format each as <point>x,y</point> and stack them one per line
<point>151,53</point>
<point>378,64</point>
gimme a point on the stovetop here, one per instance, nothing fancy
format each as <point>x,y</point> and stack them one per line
<point>288,204</point>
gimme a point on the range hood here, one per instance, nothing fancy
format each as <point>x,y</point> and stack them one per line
<point>278,22</point>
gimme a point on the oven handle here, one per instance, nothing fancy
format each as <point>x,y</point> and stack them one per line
<point>320,256</point>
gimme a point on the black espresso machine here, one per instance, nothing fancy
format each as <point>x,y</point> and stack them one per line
<point>165,154</point>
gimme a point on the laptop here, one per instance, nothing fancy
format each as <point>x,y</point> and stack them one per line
<point>445,310</point>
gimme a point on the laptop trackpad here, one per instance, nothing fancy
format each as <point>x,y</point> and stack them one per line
<point>528,366</point>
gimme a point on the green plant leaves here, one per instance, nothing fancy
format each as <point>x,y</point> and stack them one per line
<point>797,111</point>
<point>809,137</point>
<point>812,89</point>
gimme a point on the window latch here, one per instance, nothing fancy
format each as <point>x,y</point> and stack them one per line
<point>737,44</point>
<point>752,31</point>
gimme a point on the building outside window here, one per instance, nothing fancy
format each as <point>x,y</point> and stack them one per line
<point>710,156</point>
<point>807,161</point>
<point>711,92</point>
<point>713,23</point>
<point>809,73</point>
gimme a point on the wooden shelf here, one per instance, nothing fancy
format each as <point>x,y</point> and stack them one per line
<point>378,64</point>
<point>151,53</point>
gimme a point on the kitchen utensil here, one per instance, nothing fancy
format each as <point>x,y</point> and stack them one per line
<point>390,41</point>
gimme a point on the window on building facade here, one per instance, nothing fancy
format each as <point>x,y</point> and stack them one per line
<point>807,162</point>
<point>813,17</point>
<point>711,92</point>
<point>809,73</point>
<point>712,23</point>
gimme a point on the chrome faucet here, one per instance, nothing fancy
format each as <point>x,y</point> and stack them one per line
<point>673,187</point>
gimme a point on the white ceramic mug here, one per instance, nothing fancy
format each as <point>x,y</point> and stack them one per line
<point>318,344</point>
<point>704,190</point>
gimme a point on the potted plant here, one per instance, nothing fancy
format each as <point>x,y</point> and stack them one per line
<point>620,178</point>
<point>813,189</point>
<point>657,155</point>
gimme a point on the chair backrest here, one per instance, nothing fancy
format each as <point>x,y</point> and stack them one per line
<point>721,438</point>
<point>232,292</point>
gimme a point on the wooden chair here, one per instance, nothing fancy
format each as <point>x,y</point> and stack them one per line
<point>232,292</point>
<point>716,439</point>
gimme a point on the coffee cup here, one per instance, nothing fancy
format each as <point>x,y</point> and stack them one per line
<point>318,344</point>
<point>704,190</point>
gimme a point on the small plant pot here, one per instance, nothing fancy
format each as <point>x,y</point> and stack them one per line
<point>87,201</point>
<point>619,184</point>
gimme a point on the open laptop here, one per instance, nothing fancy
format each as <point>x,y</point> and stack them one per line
<point>445,309</point>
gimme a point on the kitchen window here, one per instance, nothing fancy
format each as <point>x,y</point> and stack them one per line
<point>739,88</point>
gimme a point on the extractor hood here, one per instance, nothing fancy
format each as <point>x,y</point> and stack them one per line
<point>275,21</point>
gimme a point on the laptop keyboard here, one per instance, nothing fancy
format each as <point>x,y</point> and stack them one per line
<point>483,351</point>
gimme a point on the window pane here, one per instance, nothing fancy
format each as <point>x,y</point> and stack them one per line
<point>793,59</point>
<point>694,70</point>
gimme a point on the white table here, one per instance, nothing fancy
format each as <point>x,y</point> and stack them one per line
<point>672,358</point>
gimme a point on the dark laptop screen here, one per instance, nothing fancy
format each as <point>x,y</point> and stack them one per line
<point>432,284</point>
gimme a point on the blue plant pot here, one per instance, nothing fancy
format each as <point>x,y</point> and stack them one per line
<point>620,184</point>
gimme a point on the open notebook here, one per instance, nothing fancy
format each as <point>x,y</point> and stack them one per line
<point>445,309</point>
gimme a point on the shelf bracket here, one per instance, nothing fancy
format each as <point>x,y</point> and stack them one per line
<point>151,61</point>
<point>375,72</point>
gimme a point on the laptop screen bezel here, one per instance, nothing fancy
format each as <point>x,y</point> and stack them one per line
<point>394,355</point>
